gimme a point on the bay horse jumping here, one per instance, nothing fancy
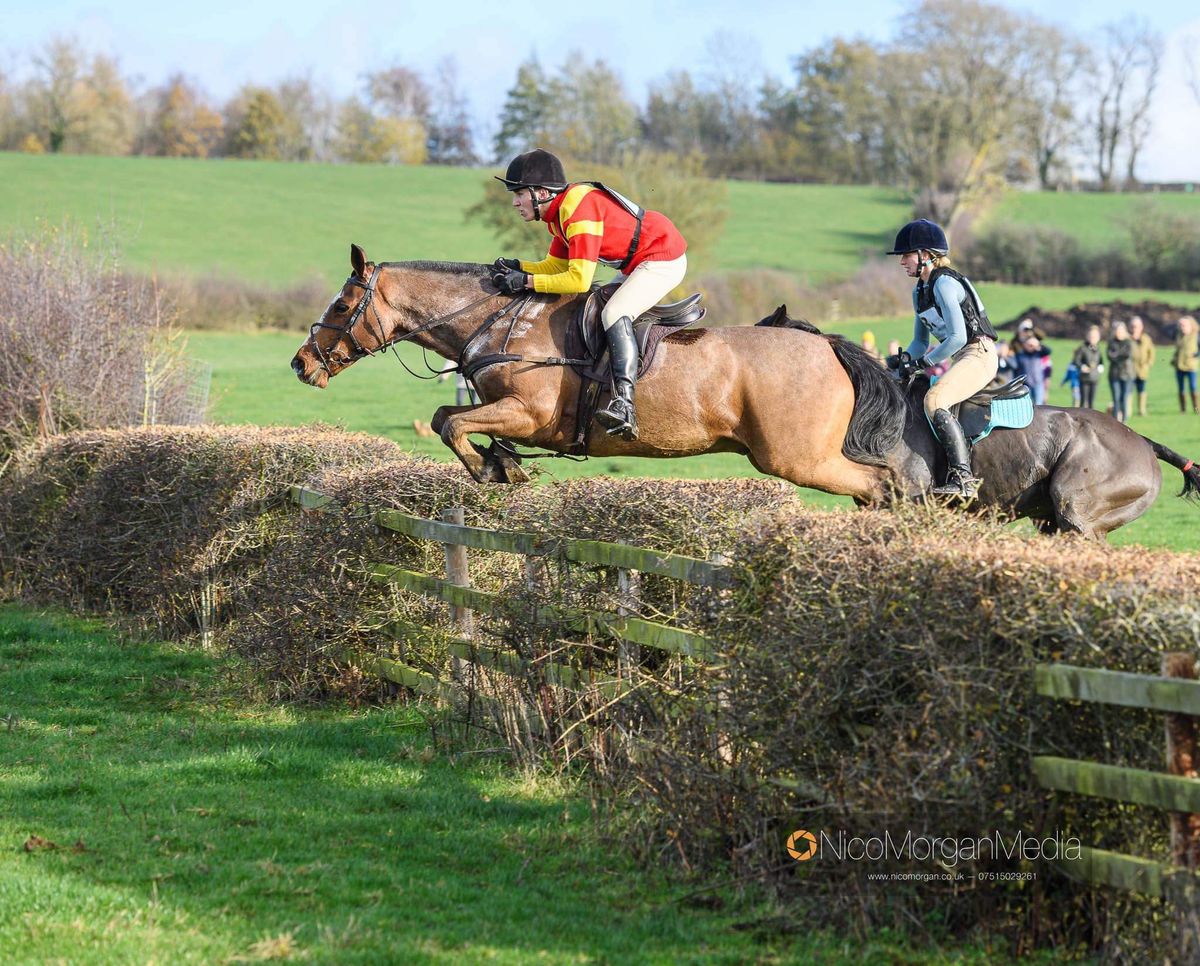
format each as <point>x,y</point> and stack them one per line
<point>812,409</point>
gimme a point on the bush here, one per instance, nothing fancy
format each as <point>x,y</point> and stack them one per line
<point>83,344</point>
<point>1161,250</point>
<point>220,302</point>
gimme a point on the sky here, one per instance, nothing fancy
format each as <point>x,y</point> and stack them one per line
<point>223,44</point>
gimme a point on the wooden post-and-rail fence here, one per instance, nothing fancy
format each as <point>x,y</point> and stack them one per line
<point>629,632</point>
<point>1175,693</point>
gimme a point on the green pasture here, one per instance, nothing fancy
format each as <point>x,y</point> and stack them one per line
<point>281,222</point>
<point>252,383</point>
<point>152,812</point>
<point>1098,220</point>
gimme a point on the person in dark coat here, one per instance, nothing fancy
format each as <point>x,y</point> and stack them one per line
<point>1120,370</point>
<point>1087,357</point>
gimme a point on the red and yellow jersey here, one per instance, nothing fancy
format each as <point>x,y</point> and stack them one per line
<point>588,226</point>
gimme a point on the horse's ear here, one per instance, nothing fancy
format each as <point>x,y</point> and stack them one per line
<point>779,316</point>
<point>358,261</point>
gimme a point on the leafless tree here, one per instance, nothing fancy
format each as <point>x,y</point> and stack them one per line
<point>1124,78</point>
<point>1191,64</point>
<point>1053,120</point>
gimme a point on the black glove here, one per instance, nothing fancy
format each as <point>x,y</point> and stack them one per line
<point>510,282</point>
<point>507,264</point>
<point>893,361</point>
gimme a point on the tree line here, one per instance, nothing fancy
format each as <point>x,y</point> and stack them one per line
<point>966,96</point>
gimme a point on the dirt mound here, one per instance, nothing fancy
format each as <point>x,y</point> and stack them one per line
<point>1160,319</point>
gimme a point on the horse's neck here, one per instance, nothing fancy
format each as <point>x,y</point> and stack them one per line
<point>421,296</point>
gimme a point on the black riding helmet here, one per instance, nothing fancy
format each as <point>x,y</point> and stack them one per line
<point>535,169</point>
<point>920,235</point>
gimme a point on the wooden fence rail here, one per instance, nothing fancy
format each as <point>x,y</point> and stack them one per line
<point>1174,692</point>
<point>454,589</point>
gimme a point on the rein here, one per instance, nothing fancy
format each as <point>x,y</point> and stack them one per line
<point>515,306</point>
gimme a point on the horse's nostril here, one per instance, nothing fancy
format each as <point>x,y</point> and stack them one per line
<point>297,366</point>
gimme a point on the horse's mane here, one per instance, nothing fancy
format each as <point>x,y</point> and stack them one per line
<point>472,269</point>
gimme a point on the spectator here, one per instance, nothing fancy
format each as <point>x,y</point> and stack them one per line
<point>1143,359</point>
<point>868,344</point>
<point>1025,328</point>
<point>1120,370</point>
<point>1087,359</point>
<point>462,394</point>
<point>1071,378</point>
<point>1029,364</point>
<point>1006,365</point>
<point>1184,360</point>
<point>894,347</point>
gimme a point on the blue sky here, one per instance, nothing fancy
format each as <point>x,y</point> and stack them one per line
<point>223,44</point>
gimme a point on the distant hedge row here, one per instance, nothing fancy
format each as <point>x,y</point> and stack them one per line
<point>1153,248</point>
<point>874,667</point>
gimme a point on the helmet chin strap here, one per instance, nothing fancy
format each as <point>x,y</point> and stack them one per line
<point>923,263</point>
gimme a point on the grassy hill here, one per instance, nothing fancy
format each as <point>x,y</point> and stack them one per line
<point>1097,220</point>
<point>282,222</point>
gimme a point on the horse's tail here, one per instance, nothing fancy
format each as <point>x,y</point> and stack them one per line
<point>880,411</point>
<point>1190,471</point>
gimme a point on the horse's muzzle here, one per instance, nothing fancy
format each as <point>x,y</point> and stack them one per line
<point>317,377</point>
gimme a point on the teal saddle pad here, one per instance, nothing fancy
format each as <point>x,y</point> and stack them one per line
<point>1009,414</point>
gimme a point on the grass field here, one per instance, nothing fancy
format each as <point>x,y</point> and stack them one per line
<point>151,812</point>
<point>282,222</point>
<point>1097,220</point>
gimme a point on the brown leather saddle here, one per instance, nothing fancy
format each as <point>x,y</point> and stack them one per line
<point>587,347</point>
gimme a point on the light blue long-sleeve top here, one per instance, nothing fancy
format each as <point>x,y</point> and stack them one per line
<point>944,321</point>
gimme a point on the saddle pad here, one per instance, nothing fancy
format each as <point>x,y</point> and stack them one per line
<point>1009,414</point>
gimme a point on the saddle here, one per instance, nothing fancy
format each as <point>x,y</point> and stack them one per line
<point>587,347</point>
<point>1005,407</point>
<point>585,336</point>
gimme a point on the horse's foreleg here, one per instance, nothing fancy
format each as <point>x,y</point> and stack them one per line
<point>506,417</point>
<point>445,412</point>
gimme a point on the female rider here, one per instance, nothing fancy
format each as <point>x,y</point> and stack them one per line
<point>946,306</point>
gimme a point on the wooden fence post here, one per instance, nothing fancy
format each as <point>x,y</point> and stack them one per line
<point>458,572</point>
<point>1181,887</point>
<point>724,747</point>
<point>1182,761</point>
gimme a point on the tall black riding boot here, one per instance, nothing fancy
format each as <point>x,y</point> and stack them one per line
<point>959,480</point>
<point>618,416</point>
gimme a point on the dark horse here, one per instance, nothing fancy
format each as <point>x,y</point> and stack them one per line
<point>812,409</point>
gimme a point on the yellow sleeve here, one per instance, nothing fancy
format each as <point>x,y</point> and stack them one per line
<point>577,278</point>
<point>550,265</point>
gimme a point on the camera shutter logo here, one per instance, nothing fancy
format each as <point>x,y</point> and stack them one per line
<point>802,845</point>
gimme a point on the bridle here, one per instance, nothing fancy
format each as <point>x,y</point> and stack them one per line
<point>358,350</point>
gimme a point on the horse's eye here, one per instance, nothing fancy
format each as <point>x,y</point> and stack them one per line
<point>341,306</point>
